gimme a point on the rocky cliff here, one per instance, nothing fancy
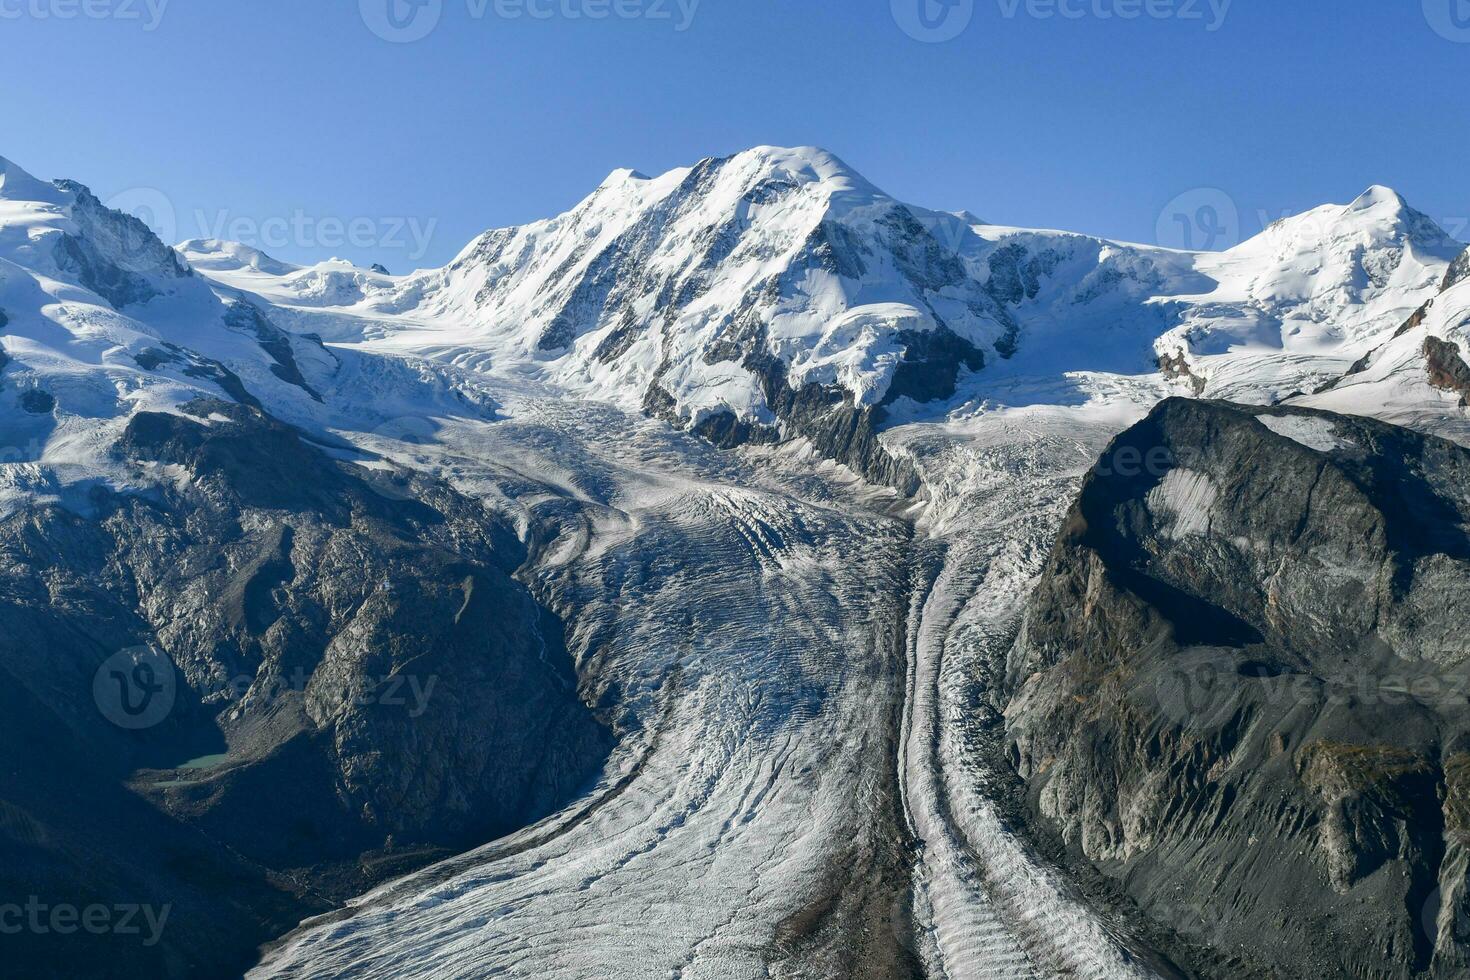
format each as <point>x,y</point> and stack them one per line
<point>270,682</point>
<point>1240,688</point>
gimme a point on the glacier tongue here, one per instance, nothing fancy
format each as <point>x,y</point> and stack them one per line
<point>753,640</point>
<point>781,775</point>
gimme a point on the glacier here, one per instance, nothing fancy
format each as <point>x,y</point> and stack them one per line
<point>786,455</point>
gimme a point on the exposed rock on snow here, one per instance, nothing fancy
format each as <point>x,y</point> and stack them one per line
<point>1447,369</point>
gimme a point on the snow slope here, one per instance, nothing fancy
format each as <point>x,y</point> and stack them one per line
<point>1418,376</point>
<point>100,320</point>
<point>1295,306</point>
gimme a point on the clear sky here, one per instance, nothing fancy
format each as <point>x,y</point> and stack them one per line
<point>295,123</point>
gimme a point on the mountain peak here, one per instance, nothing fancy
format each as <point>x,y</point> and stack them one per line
<point>1378,196</point>
<point>18,185</point>
<point>796,164</point>
<point>805,166</point>
<point>811,162</point>
<point>224,256</point>
<point>623,175</point>
<point>1380,214</point>
<point>811,153</point>
<point>1384,207</point>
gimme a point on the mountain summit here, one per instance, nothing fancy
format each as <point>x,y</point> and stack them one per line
<point>777,294</point>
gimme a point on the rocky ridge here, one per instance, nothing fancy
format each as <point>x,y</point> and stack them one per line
<point>1240,688</point>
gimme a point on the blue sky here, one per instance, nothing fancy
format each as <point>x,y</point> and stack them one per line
<point>294,122</point>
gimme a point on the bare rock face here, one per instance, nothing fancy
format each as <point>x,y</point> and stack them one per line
<point>1176,366</point>
<point>1240,688</point>
<point>1447,369</point>
<point>1459,270</point>
<point>282,677</point>
<point>113,253</point>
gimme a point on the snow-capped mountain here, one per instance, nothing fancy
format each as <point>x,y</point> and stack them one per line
<point>1297,304</point>
<point>777,294</point>
<point>98,309</point>
<point>102,320</point>
<point>690,281</point>
<point>772,294</point>
<point>99,320</point>
<point>738,711</point>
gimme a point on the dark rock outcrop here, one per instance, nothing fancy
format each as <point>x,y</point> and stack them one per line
<point>931,365</point>
<point>1176,366</point>
<point>243,316</point>
<point>284,677</point>
<point>114,254</point>
<point>1414,322</point>
<point>1458,272</point>
<point>37,402</point>
<point>1447,369</point>
<point>825,415</point>
<point>1240,687</point>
